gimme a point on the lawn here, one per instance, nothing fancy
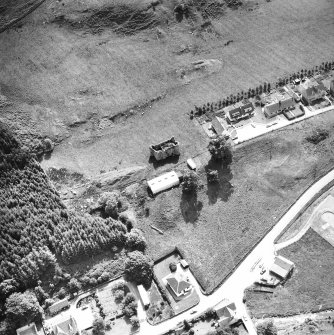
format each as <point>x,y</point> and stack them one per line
<point>68,84</point>
<point>159,309</point>
<point>111,308</point>
<point>218,227</point>
<point>311,287</point>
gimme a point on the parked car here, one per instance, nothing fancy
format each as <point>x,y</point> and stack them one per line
<point>302,108</point>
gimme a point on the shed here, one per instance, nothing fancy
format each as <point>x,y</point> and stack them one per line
<point>184,263</point>
<point>163,182</point>
<point>191,164</point>
<point>143,296</point>
<point>58,306</point>
<point>281,267</point>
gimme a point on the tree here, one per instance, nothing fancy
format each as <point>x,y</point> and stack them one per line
<point>190,182</point>
<point>23,308</point>
<point>212,176</point>
<point>138,268</point>
<point>266,328</point>
<point>134,321</point>
<point>7,287</point>
<point>220,149</point>
<point>98,326</point>
<point>172,266</point>
<point>74,286</point>
<point>136,240</point>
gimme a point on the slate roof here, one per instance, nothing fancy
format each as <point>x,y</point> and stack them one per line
<point>67,326</point>
<point>177,286</point>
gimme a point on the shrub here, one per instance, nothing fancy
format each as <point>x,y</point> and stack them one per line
<point>134,321</point>
<point>98,326</point>
<point>212,176</point>
<point>62,293</point>
<point>138,268</point>
<point>220,149</point>
<point>172,267</point>
<point>190,182</point>
<point>118,295</point>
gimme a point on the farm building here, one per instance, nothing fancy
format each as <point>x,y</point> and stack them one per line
<point>226,314</point>
<point>29,329</point>
<point>178,287</point>
<point>163,182</point>
<point>143,296</point>
<point>276,102</point>
<point>165,149</point>
<point>66,326</point>
<point>238,111</point>
<point>58,306</point>
<point>217,126</point>
<point>281,267</point>
<point>312,91</point>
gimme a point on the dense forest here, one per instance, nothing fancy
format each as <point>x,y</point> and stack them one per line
<point>35,224</point>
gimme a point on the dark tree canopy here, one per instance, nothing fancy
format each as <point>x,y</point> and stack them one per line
<point>266,328</point>
<point>22,308</point>
<point>220,149</point>
<point>190,182</point>
<point>138,268</point>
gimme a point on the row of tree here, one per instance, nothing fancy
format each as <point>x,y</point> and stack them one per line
<point>262,88</point>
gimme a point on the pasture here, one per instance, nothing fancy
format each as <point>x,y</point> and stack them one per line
<point>307,290</point>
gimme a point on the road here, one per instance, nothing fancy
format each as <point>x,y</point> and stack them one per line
<point>247,272</point>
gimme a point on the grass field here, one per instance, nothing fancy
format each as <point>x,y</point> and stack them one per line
<point>58,76</point>
<point>310,288</point>
<point>216,229</point>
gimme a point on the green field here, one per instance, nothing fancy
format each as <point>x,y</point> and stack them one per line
<point>218,227</point>
<point>310,288</point>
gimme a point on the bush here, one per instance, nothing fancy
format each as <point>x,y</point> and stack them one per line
<point>266,328</point>
<point>136,240</point>
<point>62,293</point>
<point>212,176</point>
<point>98,326</point>
<point>138,268</point>
<point>172,267</point>
<point>134,321</point>
<point>113,203</point>
<point>119,286</point>
<point>220,149</point>
<point>118,295</point>
<point>190,182</point>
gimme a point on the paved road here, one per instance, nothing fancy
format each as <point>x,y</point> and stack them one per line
<point>248,271</point>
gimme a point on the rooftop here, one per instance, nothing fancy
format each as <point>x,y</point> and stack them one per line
<point>29,329</point>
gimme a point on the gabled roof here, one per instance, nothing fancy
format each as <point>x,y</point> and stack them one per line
<point>67,326</point>
<point>281,266</point>
<point>27,330</point>
<point>176,285</point>
<point>228,311</point>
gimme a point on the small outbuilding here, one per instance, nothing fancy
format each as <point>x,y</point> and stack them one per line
<point>163,182</point>
<point>143,296</point>
<point>184,263</point>
<point>59,306</point>
<point>191,164</point>
<point>281,267</point>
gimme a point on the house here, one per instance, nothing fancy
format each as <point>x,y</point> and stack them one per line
<point>59,306</point>
<point>276,102</point>
<point>179,287</point>
<point>312,91</point>
<point>184,263</point>
<point>143,296</point>
<point>163,182</point>
<point>66,326</point>
<point>165,149</point>
<point>29,329</point>
<point>227,314</point>
<point>239,111</point>
<point>281,267</point>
